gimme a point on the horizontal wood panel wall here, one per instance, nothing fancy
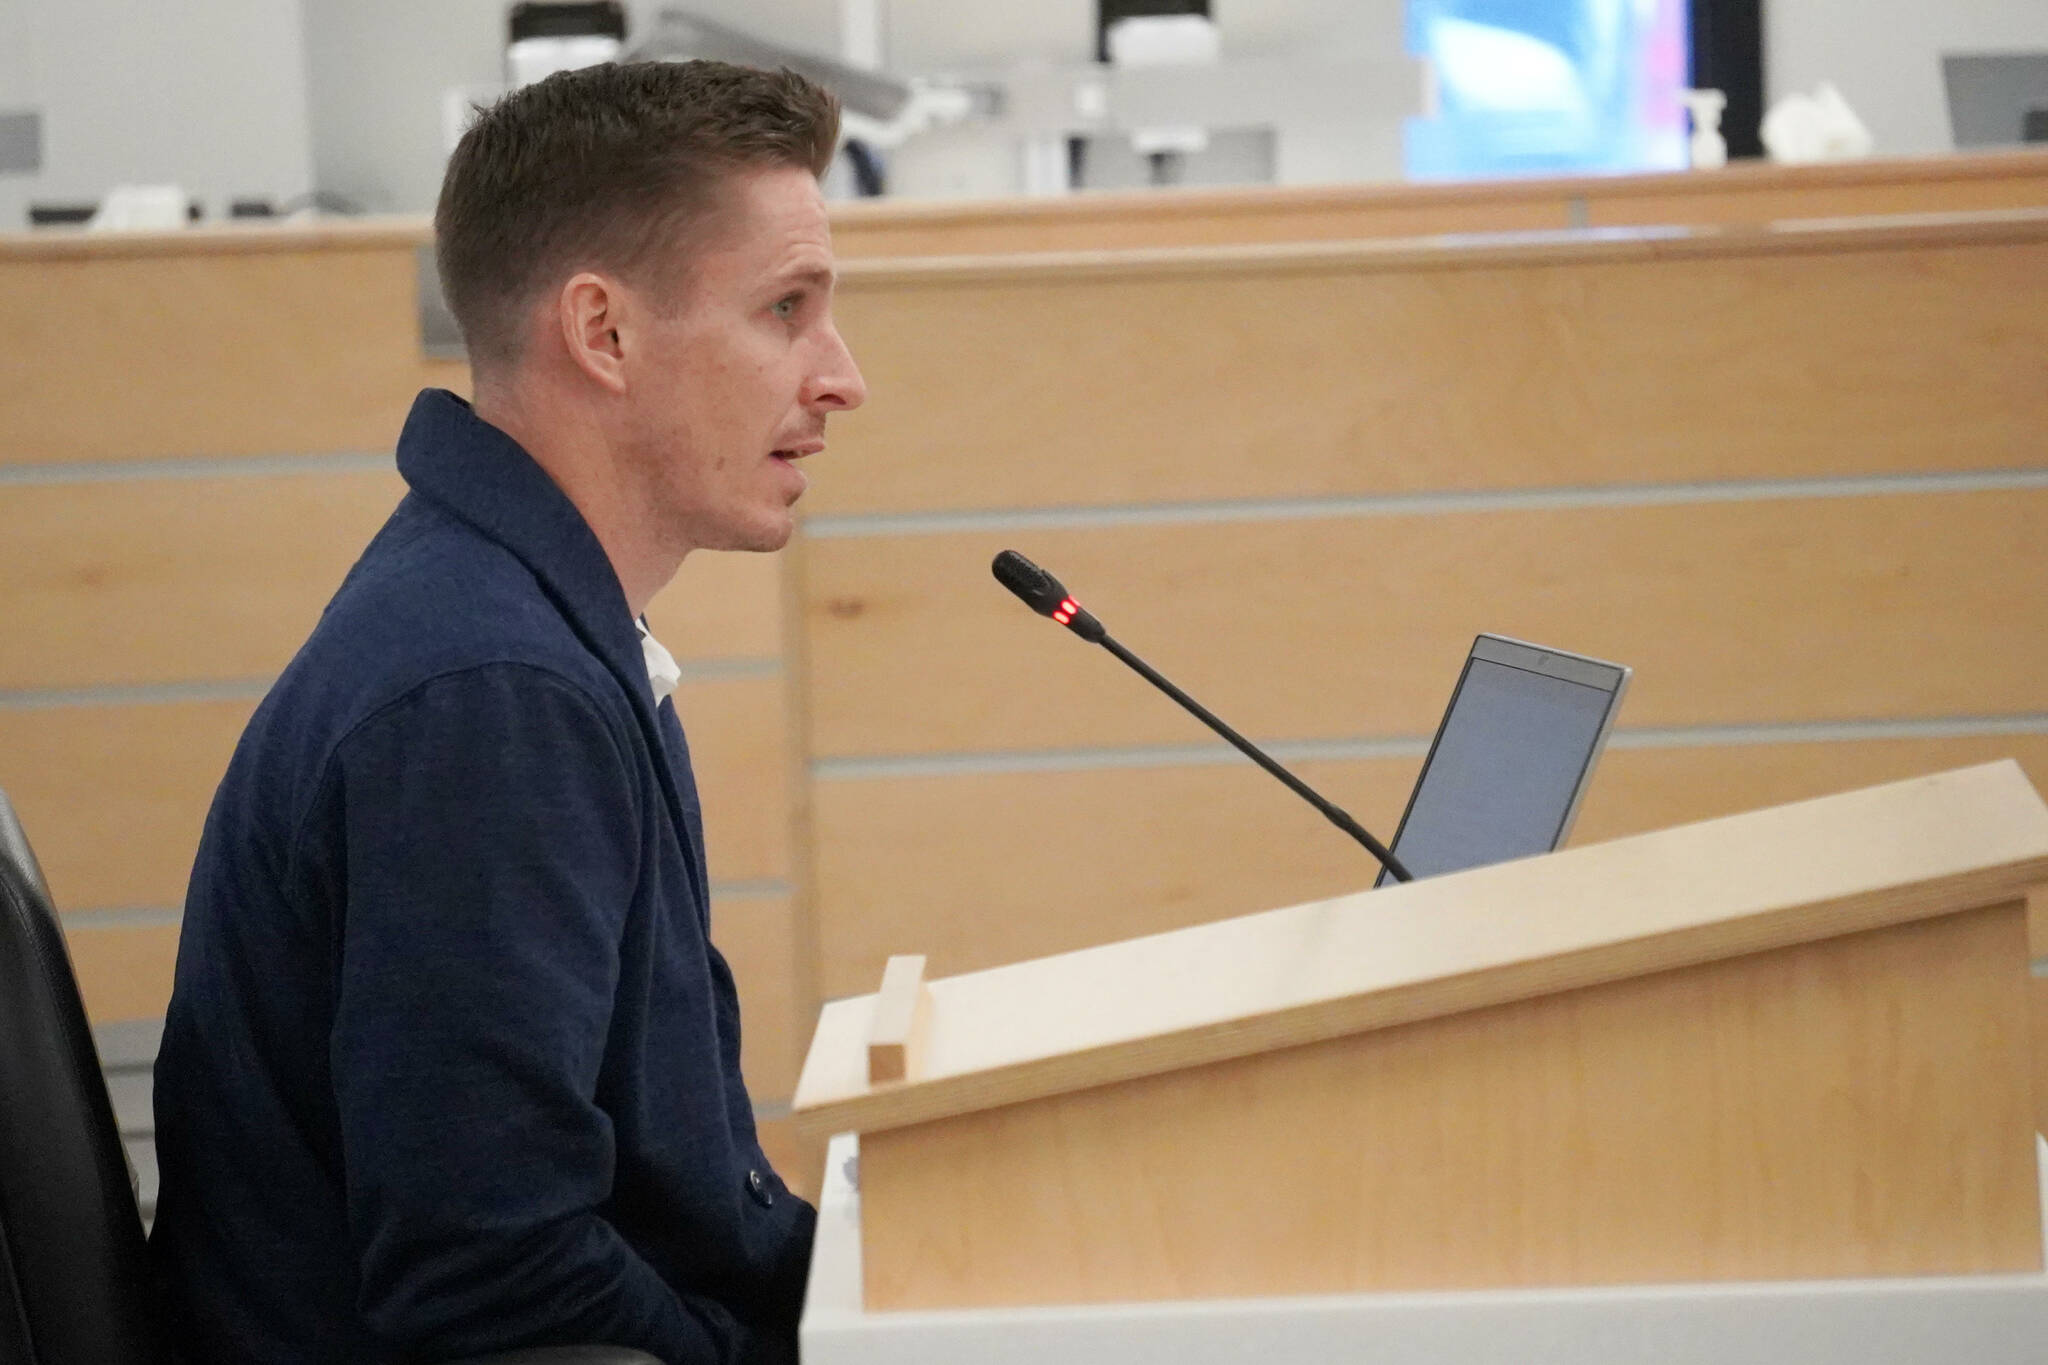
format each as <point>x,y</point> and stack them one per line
<point>1141,847</point>
<point>1352,627</point>
<point>1741,194</point>
<point>1371,370</point>
<point>1796,479</point>
<point>219,353</point>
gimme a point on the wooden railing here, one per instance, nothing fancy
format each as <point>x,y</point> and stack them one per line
<point>1743,193</point>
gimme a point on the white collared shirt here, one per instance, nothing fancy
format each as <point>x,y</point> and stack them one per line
<point>662,673</point>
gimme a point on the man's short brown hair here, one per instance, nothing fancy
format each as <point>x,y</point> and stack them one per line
<point>603,168</point>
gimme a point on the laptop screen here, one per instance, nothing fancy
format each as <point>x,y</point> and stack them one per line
<point>1510,760</point>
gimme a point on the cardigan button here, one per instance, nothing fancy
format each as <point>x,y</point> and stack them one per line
<point>758,1188</point>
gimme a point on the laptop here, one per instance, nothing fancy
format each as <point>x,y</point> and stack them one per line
<point>1996,99</point>
<point>1512,758</point>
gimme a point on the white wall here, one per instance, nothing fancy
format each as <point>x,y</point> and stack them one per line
<point>376,70</point>
<point>376,67</point>
<point>927,36</point>
<point>208,94</point>
<point>969,34</point>
<point>375,73</point>
<point>19,88</point>
<point>1885,55</point>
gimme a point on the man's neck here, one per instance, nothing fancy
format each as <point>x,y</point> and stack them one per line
<point>576,458</point>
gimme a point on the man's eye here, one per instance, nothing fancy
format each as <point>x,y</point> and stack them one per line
<point>786,308</point>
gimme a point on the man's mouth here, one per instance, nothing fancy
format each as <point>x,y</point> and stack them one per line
<point>797,452</point>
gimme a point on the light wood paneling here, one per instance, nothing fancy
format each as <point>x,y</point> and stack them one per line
<point>1657,1129</point>
<point>1180,218</point>
<point>210,353</point>
<point>1984,184</point>
<point>177,580</point>
<point>242,237</point>
<point>738,733</point>
<point>165,321</point>
<point>113,797</point>
<point>1748,193</point>
<point>758,936</point>
<point>123,971</point>
<point>1009,866</point>
<point>721,606</point>
<point>174,580</point>
<point>798,1159</point>
<point>1290,374</point>
<point>1739,612</point>
<point>902,1012</point>
<point>1638,790</point>
<point>975,871</point>
<point>2038,998</point>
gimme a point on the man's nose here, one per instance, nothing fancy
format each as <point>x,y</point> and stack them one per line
<point>836,383</point>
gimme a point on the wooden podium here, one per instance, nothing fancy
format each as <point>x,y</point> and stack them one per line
<point>1772,1064</point>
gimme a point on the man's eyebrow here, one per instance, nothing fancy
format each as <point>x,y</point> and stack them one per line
<point>817,276</point>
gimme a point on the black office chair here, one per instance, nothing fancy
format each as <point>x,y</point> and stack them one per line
<point>75,1281</point>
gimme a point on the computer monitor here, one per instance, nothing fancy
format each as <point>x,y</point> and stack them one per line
<point>1512,758</point>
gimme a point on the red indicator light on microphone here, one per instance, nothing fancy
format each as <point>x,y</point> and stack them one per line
<point>1060,615</point>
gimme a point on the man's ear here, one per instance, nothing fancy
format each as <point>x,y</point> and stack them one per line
<point>590,309</point>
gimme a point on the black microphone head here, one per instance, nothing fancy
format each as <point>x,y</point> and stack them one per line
<point>1040,590</point>
<point>1046,595</point>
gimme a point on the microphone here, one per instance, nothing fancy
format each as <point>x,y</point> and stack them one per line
<point>1047,596</point>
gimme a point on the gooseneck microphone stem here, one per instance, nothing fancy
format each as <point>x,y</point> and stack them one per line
<point>1331,812</point>
<point>1046,595</point>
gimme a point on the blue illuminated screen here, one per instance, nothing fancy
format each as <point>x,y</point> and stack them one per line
<point>1527,87</point>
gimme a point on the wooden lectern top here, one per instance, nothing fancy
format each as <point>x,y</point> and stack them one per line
<point>1697,893</point>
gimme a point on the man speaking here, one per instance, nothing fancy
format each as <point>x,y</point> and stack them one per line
<point>451,1065</point>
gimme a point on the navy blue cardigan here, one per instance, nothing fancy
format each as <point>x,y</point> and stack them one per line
<point>451,1064</point>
